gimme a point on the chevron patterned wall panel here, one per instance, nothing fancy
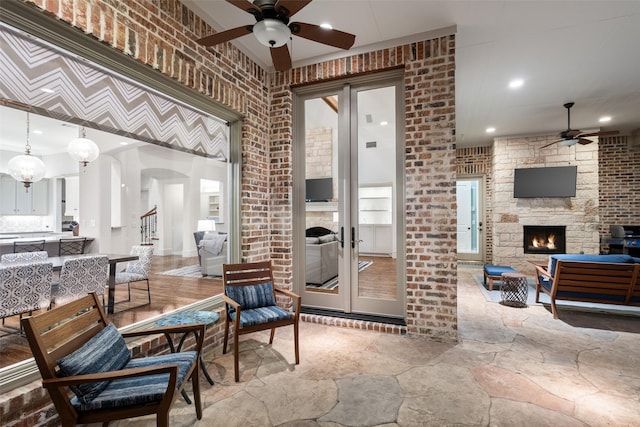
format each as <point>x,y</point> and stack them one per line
<point>83,93</point>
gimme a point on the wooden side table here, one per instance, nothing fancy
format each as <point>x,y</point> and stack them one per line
<point>514,290</point>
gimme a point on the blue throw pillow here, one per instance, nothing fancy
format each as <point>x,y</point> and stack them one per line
<point>252,296</point>
<point>104,352</point>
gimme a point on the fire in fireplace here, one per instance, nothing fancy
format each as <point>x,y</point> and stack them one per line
<point>544,239</point>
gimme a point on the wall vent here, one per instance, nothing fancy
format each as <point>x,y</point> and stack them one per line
<point>368,118</point>
<point>371,144</point>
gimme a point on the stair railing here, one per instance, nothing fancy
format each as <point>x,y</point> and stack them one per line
<point>149,227</point>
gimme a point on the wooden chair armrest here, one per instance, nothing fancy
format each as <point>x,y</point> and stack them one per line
<point>541,271</point>
<point>231,302</point>
<point>292,295</point>
<point>171,369</point>
<point>287,293</point>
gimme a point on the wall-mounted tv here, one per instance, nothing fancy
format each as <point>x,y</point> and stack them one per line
<point>545,182</point>
<point>319,190</point>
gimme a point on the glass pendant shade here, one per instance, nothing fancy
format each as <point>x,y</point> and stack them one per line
<point>26,169</point>
<point>83,150</point>
<point>271,32</point>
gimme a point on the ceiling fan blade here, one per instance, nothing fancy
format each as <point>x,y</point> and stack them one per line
<point>335,38</point>
<point>225,36</point>
<point>550,144</point>
<point>246,5</point>
<point>571,133</point>
<point>281,57</point>
<point>288,8</point>
<point>603,133</point>
<point>584,141</point>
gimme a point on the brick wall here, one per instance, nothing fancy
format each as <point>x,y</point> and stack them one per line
<point>161,35</point>
<point>475,161</point>
<point>619,183</point>
<point>430,171</point>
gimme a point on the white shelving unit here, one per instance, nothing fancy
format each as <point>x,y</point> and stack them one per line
<point>375,205</point>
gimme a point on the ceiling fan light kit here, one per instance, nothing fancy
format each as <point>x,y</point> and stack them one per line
<point>273,30</point>
<point>574,136</point>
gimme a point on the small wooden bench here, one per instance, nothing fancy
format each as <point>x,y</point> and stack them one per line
<point>597,282</point>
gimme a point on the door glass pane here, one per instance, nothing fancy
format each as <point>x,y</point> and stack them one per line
<point>468,236</point>
<point>321,199</point>
<point>375,200</point>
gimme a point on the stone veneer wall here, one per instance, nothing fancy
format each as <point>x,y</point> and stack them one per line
<point>579,214</point>
<point>619,179</point>
<point>475,161</point>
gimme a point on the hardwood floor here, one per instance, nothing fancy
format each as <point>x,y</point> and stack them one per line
<point>171,292</point>
<point>167,293</point>
<point>378,280</point>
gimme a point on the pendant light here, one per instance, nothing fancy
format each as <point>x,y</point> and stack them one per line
<point>26,168</point>
<point>82,149</point>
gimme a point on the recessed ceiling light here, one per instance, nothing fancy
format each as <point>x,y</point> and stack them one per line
<point>516,83</point>
<point>326,26</point>
<point>490,130</point>
<point>124,143</point>
<point>604,119</point>
<point>44,89</point>
<point>37,132</point>
<point>384,123</point>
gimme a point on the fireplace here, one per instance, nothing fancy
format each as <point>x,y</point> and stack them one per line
<point>544,239</point>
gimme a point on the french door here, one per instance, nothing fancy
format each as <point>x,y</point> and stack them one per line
<point>348,187</point>
<point>470,218</point>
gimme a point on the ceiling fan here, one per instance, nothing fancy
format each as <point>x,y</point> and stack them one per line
<point>574,136</point>
<point>273,29</point>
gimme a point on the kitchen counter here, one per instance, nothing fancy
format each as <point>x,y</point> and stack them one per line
<point>50,240</point>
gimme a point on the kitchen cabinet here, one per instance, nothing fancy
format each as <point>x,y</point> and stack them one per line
<point>71,196</point>
<point>15,200</point>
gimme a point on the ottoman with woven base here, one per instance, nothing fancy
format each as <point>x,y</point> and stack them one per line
<point>494,272</point>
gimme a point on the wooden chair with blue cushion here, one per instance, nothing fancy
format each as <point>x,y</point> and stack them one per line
<point>250,298</point>
<point>76,349</point>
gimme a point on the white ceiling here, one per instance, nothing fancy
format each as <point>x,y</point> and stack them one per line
<point>581,51</point>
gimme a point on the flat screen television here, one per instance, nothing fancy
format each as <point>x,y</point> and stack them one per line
<point>319,190</point>
<point>545,182</point>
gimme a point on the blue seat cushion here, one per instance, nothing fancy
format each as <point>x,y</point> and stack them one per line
<point>140,390</point>
<point>251,296</point>
<point>614,258</point>
<point>105,351</point>
<point>258,316</point>
<point>497,270</point>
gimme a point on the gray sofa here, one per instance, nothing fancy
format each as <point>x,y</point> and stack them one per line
<point>212,251</point>
<point>321,256</point>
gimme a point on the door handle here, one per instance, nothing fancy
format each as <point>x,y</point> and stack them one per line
<point>341,237</point>
<point>353,238</point>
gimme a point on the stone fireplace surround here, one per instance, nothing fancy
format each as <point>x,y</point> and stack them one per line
<point>578,214</point>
